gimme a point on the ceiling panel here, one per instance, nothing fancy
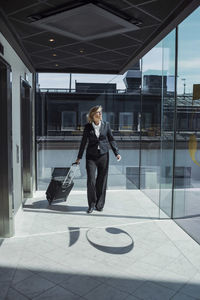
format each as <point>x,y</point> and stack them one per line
<point>79,60</point>
<point>31,47</point>
<point>139,2</point>
<point>57,3</point>
<point>44,39</point>
<point>107,55</point>
<point>38,60</point>
<point>145,18</point>
<point>119,4</point>
<point>160,9</point>
<point>128,50</point>
<point>23,29</point>
<point>16,5</point>
<point>142,34</point>
<point>23,15</point>
<point>114,42</point>
<point>81,48</point>
<point>54,54</point>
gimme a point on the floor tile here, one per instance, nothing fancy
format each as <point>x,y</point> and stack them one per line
<point>14,295</point>
<point>57,293</point>
<point>33,286</point>
<point>131,297</point>
<point>152,291</point>
<point>21,274</point>
<point>182,266</point>
<point>180,296</point>
<point>128,285</point>
<point>106,292</point>
<point>4,286</point>
<point>80,285</point>
<point>192,287</point>
<point>171,280</point>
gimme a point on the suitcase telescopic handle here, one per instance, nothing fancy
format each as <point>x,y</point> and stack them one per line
<point>67,176</point>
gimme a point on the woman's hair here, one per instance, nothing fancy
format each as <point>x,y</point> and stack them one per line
<point>92,112</point>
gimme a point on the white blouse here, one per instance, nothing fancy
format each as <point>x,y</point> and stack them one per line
<point>97,129</point>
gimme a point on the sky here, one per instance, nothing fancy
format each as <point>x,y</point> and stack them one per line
<point>52,80</point>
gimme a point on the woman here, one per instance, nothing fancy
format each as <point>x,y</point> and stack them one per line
<point>98,135</point>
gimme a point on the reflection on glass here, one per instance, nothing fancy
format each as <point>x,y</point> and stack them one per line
<point>68,121</point>
<point>187,169</point>
<point>152,82</point>
<point>62,114</point>
<point>125,121</point>
<point>167,125</point>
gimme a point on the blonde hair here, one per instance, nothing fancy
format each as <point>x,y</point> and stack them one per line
<point>92,112</point>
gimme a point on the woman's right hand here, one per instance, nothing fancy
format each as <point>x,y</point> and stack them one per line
<point>78,161</point>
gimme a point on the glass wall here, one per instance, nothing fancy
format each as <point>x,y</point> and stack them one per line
<point>187,160</point>
<point>61,116</point>
<point>157,130</point>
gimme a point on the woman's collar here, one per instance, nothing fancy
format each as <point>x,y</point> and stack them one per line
<point>97,125</point>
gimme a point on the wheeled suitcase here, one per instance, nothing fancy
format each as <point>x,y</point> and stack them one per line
<point>61,184</point>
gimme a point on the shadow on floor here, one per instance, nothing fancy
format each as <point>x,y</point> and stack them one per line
<point>56,209</point>
<point>72,209</point>
<point>43,204</point>
<point>20,283</point>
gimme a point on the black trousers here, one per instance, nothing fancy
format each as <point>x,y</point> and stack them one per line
<point>96,185</point>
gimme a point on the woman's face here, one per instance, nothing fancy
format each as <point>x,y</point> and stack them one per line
<point>98,116</point>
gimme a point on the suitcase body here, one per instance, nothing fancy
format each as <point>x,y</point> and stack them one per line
<point>60,185</point>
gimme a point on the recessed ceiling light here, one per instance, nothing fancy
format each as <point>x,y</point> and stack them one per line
<point>81,50</point>
<point>51,40</point>
<point>54,54</point>
<point>56,65</point>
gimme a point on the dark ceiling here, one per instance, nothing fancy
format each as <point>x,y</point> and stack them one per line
<point>90,36</point>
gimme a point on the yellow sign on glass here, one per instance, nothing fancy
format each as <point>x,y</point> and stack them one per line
<point>193,148</point>
<point>196,91</point>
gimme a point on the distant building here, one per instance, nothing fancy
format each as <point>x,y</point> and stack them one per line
<point>132,80</point>
<point>84,87</point>
<point>154,84</point>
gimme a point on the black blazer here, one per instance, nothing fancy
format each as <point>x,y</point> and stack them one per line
<point>105,138</point>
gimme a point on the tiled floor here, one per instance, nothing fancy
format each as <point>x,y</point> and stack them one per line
<point>124,252</point>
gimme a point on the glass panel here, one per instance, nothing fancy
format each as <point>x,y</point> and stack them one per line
<point>68,120</point>
<point>187,169</point>
<point>150,122</point>
<point>61,112</point>
<point>125,121</point>
<point>167,124</point>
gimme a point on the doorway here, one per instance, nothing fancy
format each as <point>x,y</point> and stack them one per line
<point>26,140</point>
<point>6,163</point>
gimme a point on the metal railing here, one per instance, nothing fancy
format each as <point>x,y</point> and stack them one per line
<point>88,91</point>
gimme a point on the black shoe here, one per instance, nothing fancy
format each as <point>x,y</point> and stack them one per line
<point>90,210</point>
<point>99,209</point>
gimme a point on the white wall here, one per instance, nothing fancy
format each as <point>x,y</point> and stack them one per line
<point>18,69</point>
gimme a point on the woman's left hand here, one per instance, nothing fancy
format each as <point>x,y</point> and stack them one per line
<point>118,157</point>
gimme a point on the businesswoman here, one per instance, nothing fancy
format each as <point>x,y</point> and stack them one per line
<point>98,135</point>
